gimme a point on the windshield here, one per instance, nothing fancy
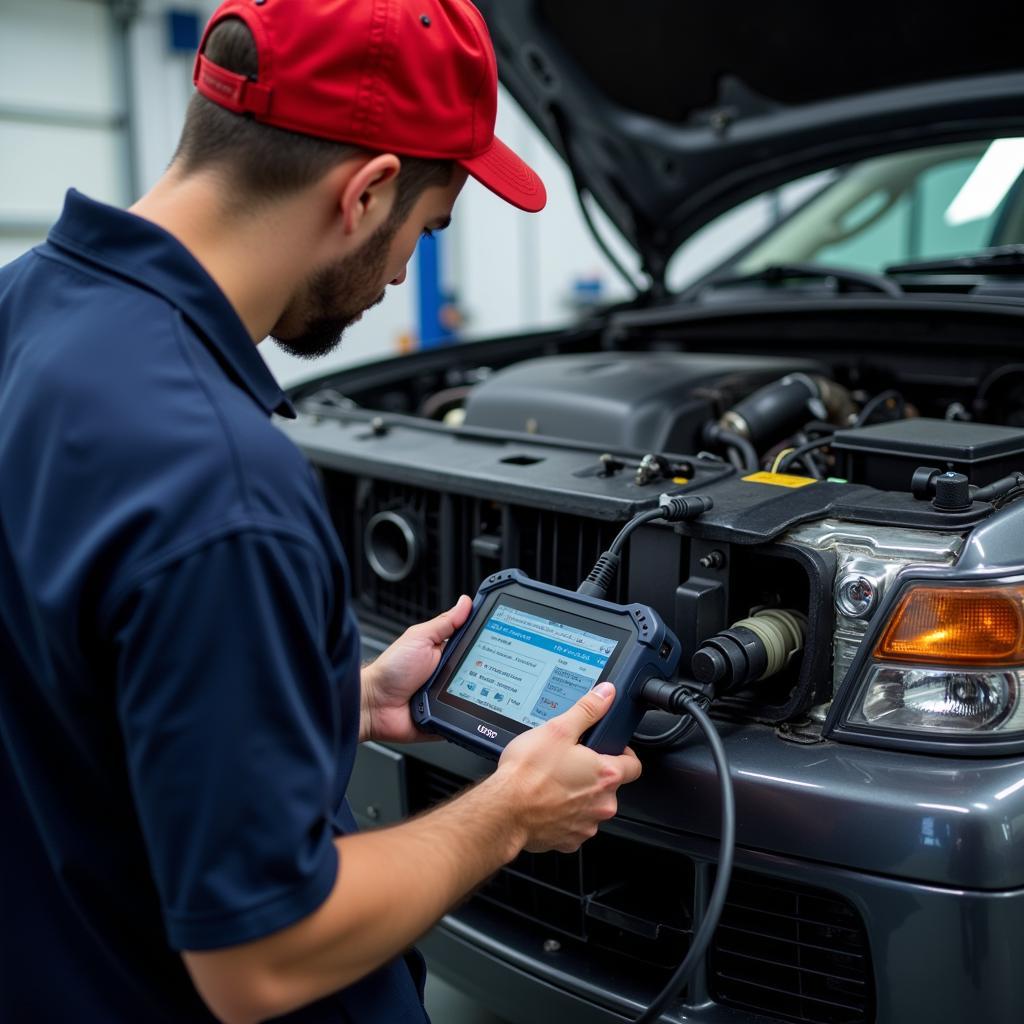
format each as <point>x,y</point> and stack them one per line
<point>924,204</point>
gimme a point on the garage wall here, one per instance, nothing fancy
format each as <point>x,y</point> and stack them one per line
<point>62,115</point>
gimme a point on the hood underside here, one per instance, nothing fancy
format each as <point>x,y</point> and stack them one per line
<point>669,113</point>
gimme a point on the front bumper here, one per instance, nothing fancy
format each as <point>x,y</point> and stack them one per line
<point>940,955</point>
<point>924,852</point>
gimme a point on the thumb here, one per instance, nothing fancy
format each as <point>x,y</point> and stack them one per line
<point>442,626</point>
<point>590,708</point>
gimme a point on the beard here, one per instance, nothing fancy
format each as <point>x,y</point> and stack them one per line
<point>336,296</point>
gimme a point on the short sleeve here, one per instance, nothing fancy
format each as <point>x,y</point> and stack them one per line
<point>231,719</point>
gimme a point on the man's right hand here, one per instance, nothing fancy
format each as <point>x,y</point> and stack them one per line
<point>548,793</point>
<point>557,790</point>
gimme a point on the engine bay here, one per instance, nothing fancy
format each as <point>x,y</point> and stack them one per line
<point>845,458</point>
<point>828,472</point>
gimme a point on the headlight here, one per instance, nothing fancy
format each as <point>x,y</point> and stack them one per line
<point>936,700</point>
<point>949,663</point>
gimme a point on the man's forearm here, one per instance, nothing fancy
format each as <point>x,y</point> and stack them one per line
<point>548,793</point>
<point>392,885</point>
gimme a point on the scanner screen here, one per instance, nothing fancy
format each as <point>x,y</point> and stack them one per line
<point>529,668</point>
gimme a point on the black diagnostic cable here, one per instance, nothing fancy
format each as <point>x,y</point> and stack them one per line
<point>679,699</point>
<point>670,737</point>
<point>672,509</point>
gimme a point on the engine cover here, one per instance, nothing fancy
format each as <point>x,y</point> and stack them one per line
<point>650,401</point>
<point>885,455</point>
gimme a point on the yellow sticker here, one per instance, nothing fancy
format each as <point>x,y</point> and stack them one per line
<point>780,479</point>
<point>680,479</point>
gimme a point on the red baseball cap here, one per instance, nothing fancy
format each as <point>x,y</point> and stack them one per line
<point>413,77</point>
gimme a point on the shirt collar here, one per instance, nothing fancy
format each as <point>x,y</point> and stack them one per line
<point>141,251</point>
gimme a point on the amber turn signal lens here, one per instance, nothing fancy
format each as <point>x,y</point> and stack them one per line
<point>957,625</point>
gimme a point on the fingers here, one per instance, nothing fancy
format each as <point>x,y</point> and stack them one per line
<point>590,708</point>
<point>628,766</point>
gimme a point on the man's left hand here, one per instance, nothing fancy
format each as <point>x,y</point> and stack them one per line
<point>389,682</point>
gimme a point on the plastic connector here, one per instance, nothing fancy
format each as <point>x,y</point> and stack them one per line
<point>601,576</point>
<point>674,509</point>
<point>750,650</point>
<point>666,696</point>
<point>678,508</point>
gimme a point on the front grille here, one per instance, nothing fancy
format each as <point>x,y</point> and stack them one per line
<point>793,951</point>
<point>782,949</point>
<point>631,903</point>
<point>600,895</point>
<point>461,541</point>
<point>562,549</point>
<point>408,600</point>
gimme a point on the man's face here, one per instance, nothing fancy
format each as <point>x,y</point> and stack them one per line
<point>337,295</point>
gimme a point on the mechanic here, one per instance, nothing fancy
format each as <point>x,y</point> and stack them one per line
<point>181,697</point>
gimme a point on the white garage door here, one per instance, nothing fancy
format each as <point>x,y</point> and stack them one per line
<point>62,113</point>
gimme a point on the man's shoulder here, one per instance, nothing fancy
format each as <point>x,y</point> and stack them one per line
<point>139,438</point>
<point>60,317</point>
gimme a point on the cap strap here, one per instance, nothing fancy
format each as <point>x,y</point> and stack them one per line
<point>231,90</point>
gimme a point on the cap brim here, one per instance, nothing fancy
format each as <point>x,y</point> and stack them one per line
<point>508,176</point>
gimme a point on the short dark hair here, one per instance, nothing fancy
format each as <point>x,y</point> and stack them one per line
<point>265,162</point>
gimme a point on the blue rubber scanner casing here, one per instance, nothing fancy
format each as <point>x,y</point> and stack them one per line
<point>647,649</point>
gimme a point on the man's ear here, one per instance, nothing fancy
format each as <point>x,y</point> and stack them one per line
<point>368,193</point>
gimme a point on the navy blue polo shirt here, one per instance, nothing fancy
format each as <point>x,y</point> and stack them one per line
<point>179,666</point>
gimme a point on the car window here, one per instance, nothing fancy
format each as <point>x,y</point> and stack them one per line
<point>922,204</point>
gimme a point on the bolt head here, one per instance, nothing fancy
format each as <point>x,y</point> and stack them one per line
<point>856,595</point>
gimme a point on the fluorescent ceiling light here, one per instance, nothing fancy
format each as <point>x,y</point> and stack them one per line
<point>986,187</point>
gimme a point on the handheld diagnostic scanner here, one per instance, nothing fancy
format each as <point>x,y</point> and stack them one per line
<point>529,651</point>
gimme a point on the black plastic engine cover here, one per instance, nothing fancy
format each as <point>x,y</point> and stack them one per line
<point>650,401</point>
<point>885,455</point>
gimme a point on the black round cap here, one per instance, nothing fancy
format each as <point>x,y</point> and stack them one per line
<point>709,665</point>
<point>952,493</point>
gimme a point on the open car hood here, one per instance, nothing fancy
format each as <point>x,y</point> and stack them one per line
<point>669,113</point>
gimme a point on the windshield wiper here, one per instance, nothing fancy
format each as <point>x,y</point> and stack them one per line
<point>777,273</point>
<point>1000,259</point>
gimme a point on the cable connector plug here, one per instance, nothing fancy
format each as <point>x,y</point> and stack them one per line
<point>672,697</point>
<point>601,577</point>
<point>680,507</point>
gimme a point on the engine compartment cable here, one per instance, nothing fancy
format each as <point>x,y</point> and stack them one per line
<point>787,459</point>
<point>742,454</point>
<point>880,400</point>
